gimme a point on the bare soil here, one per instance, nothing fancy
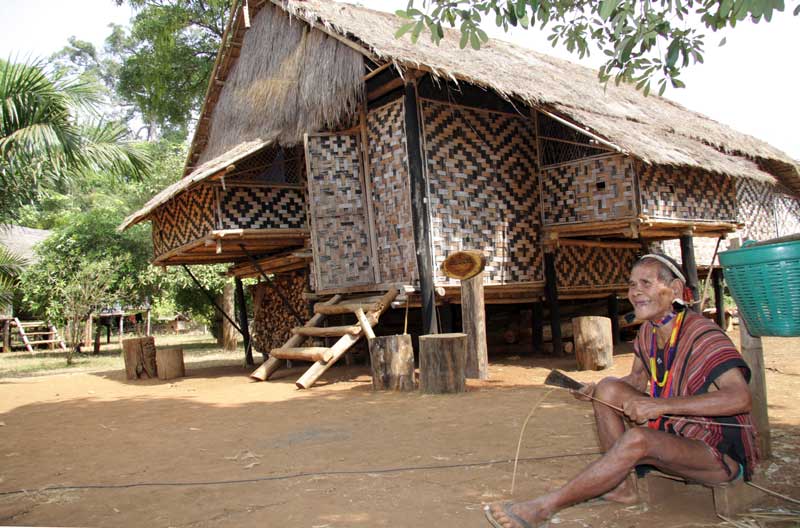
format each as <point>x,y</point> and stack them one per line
<point>216,449</point>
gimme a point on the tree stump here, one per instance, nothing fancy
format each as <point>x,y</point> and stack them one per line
<point>442,363</point>
<point>593,342</point>
<point>170,363</point>
<point>139,354</point>
<point>392,361</point>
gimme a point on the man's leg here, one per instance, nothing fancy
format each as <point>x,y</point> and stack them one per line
<point>672,454</point>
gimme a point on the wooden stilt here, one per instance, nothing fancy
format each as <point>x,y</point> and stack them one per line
<point>613,314</point>
<point>690,267</point>
<point>7,335</point>
<point>537,332</point>
<point>243,323</point>
<point>420,213</point>
<point>551,294</point>
<point>753,354</point>
<point>719,298</point>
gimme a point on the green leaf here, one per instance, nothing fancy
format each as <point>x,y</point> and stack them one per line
<point>672,53</point>
<point>405,28</point>
<point>607,7</point>
<point>475,41</point>
<point>464,39</point>
<point>402,13</point>
<point>417,30</point>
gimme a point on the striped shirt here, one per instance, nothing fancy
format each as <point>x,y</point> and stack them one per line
<point>704,353</point>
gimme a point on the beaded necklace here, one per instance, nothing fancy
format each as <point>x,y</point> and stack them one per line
<point>669,356</point>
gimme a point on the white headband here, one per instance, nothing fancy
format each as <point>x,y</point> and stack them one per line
<point>667,263</point>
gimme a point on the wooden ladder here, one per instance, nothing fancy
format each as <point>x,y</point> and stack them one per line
<point>38,333</point>
<point>367,312</point>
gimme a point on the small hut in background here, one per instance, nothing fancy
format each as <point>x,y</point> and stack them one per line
<point>21,241</point>
<point>353,161</point>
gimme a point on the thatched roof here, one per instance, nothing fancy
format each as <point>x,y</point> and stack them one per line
<point>22,240</point>
<point>204,171</point>
<point>653,129</point>
<point>247,100</point>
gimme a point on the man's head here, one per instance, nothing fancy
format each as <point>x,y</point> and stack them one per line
<point>655,282</point>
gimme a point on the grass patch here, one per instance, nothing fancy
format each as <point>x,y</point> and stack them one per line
<point>199,351</point>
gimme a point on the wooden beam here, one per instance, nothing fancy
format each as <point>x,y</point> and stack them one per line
<point>613,314</point>
<point>473,317</point>
<point>719,298</point>
<point>753,354</point>
<point>420,212</point>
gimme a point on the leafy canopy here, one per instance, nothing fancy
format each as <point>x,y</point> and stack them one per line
<point>645,42</point>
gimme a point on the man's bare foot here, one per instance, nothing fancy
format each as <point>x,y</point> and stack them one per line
<point>517,515</point>
<point>625,493</point>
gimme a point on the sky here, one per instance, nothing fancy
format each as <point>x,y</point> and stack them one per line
<point>752,83</point>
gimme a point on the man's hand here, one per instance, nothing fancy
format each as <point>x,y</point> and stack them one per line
<point>585,393</point>
<point>640,410</point>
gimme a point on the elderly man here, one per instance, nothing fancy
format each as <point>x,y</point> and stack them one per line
<point>685,405</point>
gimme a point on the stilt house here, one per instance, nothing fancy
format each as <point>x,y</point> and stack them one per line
<point>327,144</point>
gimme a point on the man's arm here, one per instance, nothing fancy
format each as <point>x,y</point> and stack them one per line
<point>733,397</point>
<point>637,378</point>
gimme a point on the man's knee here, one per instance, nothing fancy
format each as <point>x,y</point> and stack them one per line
<point>610,390</point>
<point>635,442</point>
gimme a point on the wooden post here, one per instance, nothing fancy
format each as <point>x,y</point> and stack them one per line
<point>147,327</point>
<point>537,332</point>
<point>593,343</point>
<point>121,326</point>
<point>719,298</point>
<point>473,315</point>
<point>96,349</point>
<point>551,294</point>
<point>442,359</point>
<point>243,323</point>
<point>169,363</point>
<point>420,212</point>
<point>690,267</point>
<point>392,362</point>
<point>228,340</point>
<point>613,314</point>
<point>753,354</point>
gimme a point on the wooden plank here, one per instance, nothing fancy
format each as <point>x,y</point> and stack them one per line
<point>340,309</point>
<point>365,324</point>
<point>753,353</point>
<point>420,213</point>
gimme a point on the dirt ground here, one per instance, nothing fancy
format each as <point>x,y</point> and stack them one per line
<point>216,449</point>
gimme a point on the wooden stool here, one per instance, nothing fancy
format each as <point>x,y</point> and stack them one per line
<point>139,354</point>
<point>727,499</point>
<point>392,362</point>
<point>170,363</point>
<point>442,363</point>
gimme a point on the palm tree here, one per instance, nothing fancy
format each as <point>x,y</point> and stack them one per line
<point>43,143</point>
<point>10,267</point>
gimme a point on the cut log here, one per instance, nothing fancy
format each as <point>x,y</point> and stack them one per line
<point>593,342</point>
<point>303,353</point>
<point>170,363</point>
<point>139,354</point>
<point>392,361</point>
<point>442,363</point>
<point>473,316</point>
<point>463,265</point>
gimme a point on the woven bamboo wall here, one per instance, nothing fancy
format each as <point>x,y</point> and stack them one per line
<point>484,193</point>
<point>787,214</point>
<point>391,195</point>
<point>683,194</point>
<point>272,321</point>
<point>262,208</point>
<point>341,239</point>
<point>588,191</point>
<point>187,217</point>
<point>590,267</point>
